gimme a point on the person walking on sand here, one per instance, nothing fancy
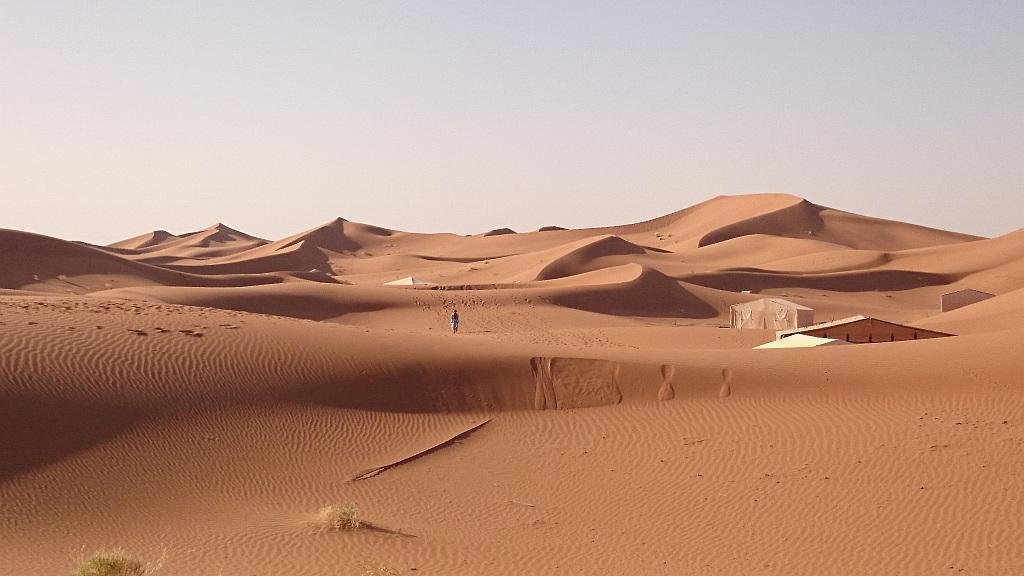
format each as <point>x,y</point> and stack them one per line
<point>455,321</point>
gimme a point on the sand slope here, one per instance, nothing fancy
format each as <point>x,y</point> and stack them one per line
<point>196,398</point>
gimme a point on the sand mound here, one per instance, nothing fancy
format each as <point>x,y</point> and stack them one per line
<point>757,250</point>
<point>803,219</point>
<point>829,261</point>
<point>991,264</point>
<point>646,292</point>
<point>217,241</point>
<point>1003,312</point>
<point>141,242</point>
<point>34,262</point>
<point>297,257</point>
<point>586,256</point>
<point>799,219</point>
<point>312,250</point>
<point>686,227</point>
<point>331,236</point>
<point>499,232</point>
<point>726,217</point>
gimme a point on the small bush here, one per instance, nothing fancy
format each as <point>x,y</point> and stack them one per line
<point>341,516</point>
<point>110,563</point>
<point>378,570</point>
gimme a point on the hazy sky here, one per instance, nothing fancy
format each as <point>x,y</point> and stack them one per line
<point>119,118</point>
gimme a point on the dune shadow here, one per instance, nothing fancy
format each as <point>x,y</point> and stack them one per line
<point>873,280</point>
<point>38,431</point>
<point>652,295</point>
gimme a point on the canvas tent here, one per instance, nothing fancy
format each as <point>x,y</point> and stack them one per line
<point>801,341</point>
<point>770,314</point>
<point>409,281</point>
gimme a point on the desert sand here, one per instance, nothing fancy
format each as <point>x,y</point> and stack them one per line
<point>195,399</point>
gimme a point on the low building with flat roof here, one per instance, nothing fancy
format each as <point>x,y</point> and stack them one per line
<point>863,330</point>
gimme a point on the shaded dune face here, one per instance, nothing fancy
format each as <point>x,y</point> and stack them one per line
<point>31,261</point>
<point>39,430</point>
<point>200,399</point>
<point>144,241</point>
<point>585,257</point>
<point>859,281</point>
<point>648,294</point>
<point>802,219</point>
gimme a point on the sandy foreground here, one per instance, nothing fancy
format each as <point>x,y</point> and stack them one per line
<point>195,399</point>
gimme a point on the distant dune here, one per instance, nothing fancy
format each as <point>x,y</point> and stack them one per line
<point>196,398</point>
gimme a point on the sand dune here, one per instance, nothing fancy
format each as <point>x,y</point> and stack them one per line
<point>40,263</point>
<point>587,256</point>
<point>803,219</point>
<point>1003,312</point>
<point>160,246</point>
<point>144,241</point>
<point>995,264</point>
<point>197,398</point>
<point>643,292</point>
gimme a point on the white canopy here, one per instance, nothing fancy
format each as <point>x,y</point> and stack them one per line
<point>409,281</point>
<point>801,341</point>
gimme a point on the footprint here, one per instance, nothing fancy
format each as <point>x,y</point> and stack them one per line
<point>667,391</point>
<point>726,389</point>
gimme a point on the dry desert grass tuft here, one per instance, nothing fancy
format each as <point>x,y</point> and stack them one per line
<point>110,563</point>
<point>370,569</point>
<point>341,516</point>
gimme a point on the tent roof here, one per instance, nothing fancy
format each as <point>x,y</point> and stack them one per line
<point>840,322</point>
<point>852,319</point>
<point>801,341</point>
<point>777,301</point>
<point>968,290</point>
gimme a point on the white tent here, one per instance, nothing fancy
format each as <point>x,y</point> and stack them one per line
<point>801,341</point>
<point>409,281</point>
<point>770,314</point>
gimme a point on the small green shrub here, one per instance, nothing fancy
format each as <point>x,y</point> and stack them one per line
<point>341,516</point>
<point>110,563</point>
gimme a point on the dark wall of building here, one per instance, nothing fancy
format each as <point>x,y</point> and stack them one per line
<point>961,299</point>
